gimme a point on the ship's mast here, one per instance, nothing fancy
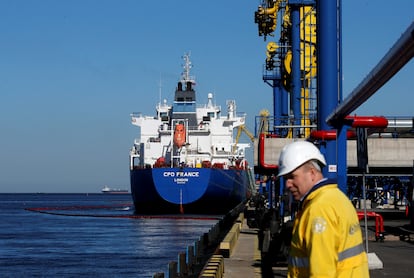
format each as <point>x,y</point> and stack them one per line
<point>185,76</point>
<point>160,90</point>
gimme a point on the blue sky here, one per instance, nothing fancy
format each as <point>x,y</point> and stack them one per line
<point>71,72</point>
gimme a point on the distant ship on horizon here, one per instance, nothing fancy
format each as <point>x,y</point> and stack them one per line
<point>108,190</point>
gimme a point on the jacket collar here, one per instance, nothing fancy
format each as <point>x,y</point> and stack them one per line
<point>323,182</point>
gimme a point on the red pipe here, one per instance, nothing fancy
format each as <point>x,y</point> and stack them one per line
<point>357,121</point>
<point>261,154</point>
<point>379,223</point>
<point>329,134</point>
<point>368,121</point>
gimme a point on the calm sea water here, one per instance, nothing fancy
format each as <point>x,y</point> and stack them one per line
<point>80,235</point>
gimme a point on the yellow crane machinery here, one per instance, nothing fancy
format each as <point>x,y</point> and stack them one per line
<point>240,129</point>
<point>270,54</point>
<point>307,62</point>
<point>264,122</point>
<point>266,18</point>
<point>308,58</point>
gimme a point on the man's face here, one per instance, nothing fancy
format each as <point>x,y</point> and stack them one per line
<point>299,181</point>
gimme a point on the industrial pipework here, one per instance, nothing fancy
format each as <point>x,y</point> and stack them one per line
<point>304,69</point>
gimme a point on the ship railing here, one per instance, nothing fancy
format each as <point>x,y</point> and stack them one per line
<point>193,129</point>
<point>286,126</point>
<point>224,155</point>
<point>136,114</point>
<point>241,114</point>
<point>207,106</point>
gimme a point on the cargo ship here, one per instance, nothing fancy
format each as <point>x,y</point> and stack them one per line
<point>108,190</point>
<point>186,159</point>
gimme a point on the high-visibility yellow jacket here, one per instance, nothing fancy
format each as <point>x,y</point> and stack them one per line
<point>327,238</point>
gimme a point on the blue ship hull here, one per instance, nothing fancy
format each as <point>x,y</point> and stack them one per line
<point>189,190</point>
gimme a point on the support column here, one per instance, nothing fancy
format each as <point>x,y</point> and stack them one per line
<point>328,71</point>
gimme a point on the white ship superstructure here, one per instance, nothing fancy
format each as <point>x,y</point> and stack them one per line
<point>209,135</point>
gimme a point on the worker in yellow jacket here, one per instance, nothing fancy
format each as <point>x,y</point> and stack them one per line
<point>326,237</point>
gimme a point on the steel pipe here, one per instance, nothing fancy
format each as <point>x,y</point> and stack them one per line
<point>400,54</point>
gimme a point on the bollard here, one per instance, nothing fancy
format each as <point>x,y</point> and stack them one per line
<point>214,267</point>
<point>205,239</point>
<point>182,265</point>
<point>229,241</point>
<point>217,260</point>
<point>190,259</point>
<point>197,251</point>
<point>172,270</point>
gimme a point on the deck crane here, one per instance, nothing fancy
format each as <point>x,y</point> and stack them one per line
<point>263,128</point>
<point>239,131</point>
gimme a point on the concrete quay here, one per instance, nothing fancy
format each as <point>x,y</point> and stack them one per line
<point>392,257</point>
<point>245,259</point>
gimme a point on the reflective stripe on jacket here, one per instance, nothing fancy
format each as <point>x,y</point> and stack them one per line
<point>327,238</point>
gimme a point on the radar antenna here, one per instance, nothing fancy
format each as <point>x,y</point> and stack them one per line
<point>185,76</point>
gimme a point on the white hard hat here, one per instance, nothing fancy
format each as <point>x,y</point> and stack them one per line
<point>297,153</point>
